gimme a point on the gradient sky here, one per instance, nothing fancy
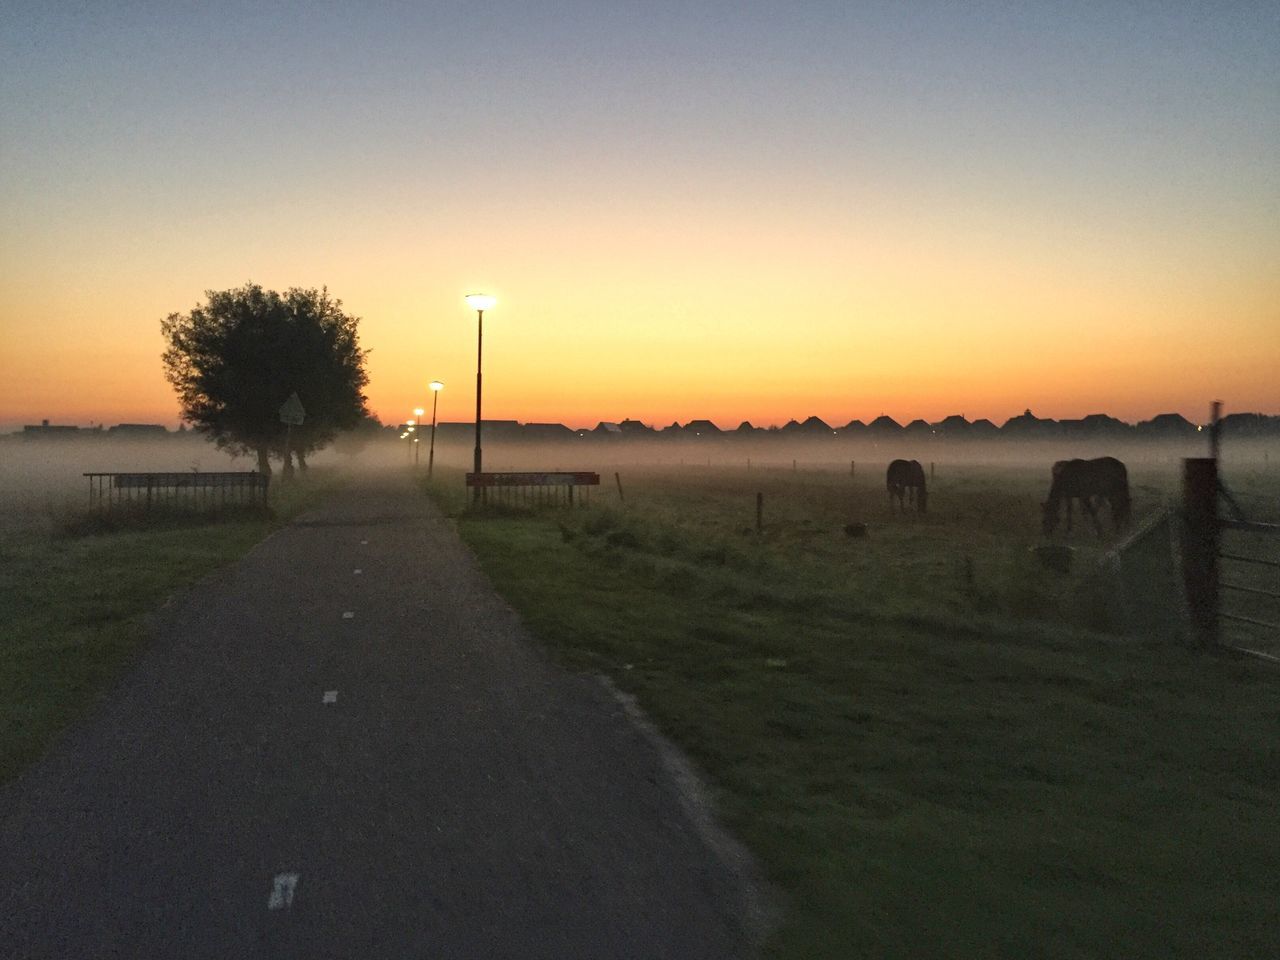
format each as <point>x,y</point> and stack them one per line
<point>724,210</point>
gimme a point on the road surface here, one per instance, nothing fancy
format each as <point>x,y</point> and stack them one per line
<point>345,745</point>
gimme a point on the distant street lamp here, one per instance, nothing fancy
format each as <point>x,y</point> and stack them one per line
<point>417,412</point>
<point>479,302</point>
<point>413,441</point>
<point>436,387</point>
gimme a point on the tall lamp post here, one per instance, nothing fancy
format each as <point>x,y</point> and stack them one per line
<point>479,302</point>
<point>417,412</point>
<point>436,387</point>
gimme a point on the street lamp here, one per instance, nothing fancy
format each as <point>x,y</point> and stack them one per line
<point>417,412</point>
<point>436,387</point>
<point>479,302</point>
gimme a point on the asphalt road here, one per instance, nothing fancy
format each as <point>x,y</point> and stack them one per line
<point>345,745</point>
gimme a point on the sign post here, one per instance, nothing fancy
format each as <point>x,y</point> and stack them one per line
<point>292,414</point>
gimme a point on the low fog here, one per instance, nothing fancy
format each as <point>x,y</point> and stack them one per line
<point>43,476</point>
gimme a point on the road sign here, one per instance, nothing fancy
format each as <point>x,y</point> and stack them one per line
<point>291,411</point>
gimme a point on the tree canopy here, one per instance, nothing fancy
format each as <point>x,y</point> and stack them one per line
<point>236,358</point>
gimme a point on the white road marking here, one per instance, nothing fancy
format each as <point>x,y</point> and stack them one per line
<point>363,542</point>
<point>330,696</point>
<point>357,571</point>
<point>348,615</point>
<point>282,891</point>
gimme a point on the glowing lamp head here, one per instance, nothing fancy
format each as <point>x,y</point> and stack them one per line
<point>436,385</point>
<point>418,411</point>
<point>480,301</point>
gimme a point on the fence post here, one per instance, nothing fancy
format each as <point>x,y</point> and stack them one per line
<point>853,469</point>
<point>618,479</point>
<point>1200,535</point>
<point>759,512</point>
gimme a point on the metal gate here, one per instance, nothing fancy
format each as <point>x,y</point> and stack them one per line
<point>1231,567</point>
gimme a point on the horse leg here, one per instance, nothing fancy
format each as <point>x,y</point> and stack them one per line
<point>1087,503</point>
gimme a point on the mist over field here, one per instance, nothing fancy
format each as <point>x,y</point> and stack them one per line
<point>833,454</point>
<point>40,479</point>
<point>43,478</point>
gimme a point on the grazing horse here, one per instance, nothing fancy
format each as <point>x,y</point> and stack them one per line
<point>906,478</point>
<point>1090,482</point>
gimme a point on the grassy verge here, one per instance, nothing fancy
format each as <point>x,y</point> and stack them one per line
<point>73,599</point>
<point>921,774</point>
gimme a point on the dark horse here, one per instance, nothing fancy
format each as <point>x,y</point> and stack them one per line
<point>1090,482</point>
<point>906,478</point>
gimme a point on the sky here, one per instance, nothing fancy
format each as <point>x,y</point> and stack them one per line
<point>727,210</point>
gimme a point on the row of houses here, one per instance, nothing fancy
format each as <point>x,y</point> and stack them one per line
<point>1166,426</point>
<point>1026,425</point>
<point>44,429</point>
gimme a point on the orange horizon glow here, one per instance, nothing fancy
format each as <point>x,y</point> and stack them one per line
<point>861,210</point>
<point>746,345</point>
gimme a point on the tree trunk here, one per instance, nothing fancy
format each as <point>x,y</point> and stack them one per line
<point>264,462</point>
<point>287,471</point>
<point>302,461</point>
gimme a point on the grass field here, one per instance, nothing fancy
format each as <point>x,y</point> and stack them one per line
<point>935,746</point>
<point>74,594</point>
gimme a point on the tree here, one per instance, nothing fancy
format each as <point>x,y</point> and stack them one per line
<point>235,359</point>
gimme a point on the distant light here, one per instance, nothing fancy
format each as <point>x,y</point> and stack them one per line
<point>480,301</point>
<point>436,385</point>
<point>410,430</point>
<point>418,412</point>
<point>410,423</point>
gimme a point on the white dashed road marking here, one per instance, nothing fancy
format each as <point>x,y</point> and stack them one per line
<point>330,696</point>
<point>348,615</point>
<point>282,891</point>
<point>357,571</point>
<point>363,542</point>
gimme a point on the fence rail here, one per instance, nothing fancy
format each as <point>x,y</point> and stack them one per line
<point>1260,560</point>
<point>1239,618</point>
<point>1253,590</point>
<point>1250,526</point>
